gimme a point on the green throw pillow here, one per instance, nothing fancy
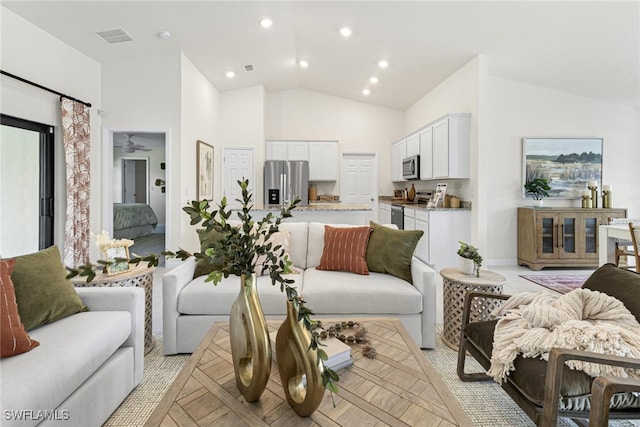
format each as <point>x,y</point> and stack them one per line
<point>207,238</point>
<point>390,250</point>
<point>43,293</point>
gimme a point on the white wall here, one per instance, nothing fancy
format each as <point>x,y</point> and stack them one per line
<point>144,94</point>
<point>520,110</point>
<point>33,54</point>
<point>242,124</point>
<point>200,112</point>
<point>306,115</point>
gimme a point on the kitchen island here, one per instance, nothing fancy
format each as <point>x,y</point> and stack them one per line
<point>329,213</point>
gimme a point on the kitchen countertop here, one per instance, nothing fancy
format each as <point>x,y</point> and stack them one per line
<point>421,206</point>
<point>316,207</point>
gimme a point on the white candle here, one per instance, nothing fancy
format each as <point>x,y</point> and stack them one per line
<point>593,183</point>
<point>586,192</point>
<point>606,187</point>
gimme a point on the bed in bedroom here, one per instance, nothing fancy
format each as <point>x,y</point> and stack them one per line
<point>131,220</point>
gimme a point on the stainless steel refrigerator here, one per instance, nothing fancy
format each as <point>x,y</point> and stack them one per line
<point>284,180</point>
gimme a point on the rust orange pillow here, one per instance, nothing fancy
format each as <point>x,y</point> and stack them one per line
<point>345,249</point>
<point>13,338</point>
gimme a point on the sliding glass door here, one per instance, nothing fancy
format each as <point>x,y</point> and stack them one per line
<point>26,186</point>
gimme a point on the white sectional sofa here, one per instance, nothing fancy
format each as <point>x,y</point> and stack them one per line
<point>85,366</point>
<point>191,306</point>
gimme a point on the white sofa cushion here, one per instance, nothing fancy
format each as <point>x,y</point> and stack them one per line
<point>299,232</point>
<point>337,292</point>
<point>47,375</point>
<point>200,297</point>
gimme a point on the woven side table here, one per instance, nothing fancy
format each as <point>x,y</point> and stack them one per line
<point>455,286</point>
<point>139,276</point>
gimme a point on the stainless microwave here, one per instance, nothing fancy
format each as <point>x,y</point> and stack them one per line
<point>411,167</point>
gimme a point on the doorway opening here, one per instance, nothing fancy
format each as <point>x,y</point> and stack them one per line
<point>136,180</point>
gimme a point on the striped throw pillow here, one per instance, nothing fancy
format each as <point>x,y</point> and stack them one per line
<point>13,338</point>
<point>345,249</point>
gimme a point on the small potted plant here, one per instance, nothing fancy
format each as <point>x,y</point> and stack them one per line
<point>537,188</point>
<point>470,259</point>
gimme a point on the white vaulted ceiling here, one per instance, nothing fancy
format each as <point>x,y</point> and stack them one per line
<point>585,48</point>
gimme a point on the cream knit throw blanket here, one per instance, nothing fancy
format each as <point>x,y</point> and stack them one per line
<point>534,323</point>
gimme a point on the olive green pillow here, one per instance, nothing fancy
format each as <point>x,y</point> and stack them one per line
<point>390,251</point>
<point>207,238</point>
<point>43,293</point>
<point>619,283</point>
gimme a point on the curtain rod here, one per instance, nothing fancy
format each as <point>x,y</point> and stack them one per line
<point>62,95</point>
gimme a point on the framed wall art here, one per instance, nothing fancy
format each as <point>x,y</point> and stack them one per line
<point>204,171</point>
<point>567,164</point>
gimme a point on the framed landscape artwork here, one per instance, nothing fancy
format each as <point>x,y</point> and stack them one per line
<point>567,164</point>
<point>204,171</point>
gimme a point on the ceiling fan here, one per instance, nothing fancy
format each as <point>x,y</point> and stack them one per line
<point>128,146</point>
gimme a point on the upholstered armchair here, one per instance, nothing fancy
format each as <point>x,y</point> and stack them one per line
<point>546,390</point>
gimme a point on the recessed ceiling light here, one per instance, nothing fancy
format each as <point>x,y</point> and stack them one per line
<point>266,22</point>
<point>164,35</point>
<point>303,64</point>
<point>373,80</point>
<point>230,74</point>
<point>366,91</point>
<point>345,31</point>
<point>383,64</point>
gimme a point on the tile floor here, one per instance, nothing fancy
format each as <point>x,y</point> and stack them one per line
<point>514,283</point>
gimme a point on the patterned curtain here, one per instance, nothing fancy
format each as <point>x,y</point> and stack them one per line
<point>76,131</point>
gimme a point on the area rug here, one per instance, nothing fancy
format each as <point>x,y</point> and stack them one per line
<point>485,402</point>
<point>561,283</point>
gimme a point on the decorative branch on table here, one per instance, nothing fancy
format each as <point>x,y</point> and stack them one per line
<point>238,253</point>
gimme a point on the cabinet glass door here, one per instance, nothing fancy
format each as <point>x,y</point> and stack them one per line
<point>590,231</point>
<point>547,236</point>
<point>568,235</point>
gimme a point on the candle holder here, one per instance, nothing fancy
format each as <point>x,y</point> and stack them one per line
<point>586,201</point>
<point>606,199</point>
<point>594,195</point>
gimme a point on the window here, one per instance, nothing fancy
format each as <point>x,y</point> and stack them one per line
<point>26,186</point>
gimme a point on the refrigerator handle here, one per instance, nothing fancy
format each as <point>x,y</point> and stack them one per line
<point>282,190</point>
<point>285,198</point>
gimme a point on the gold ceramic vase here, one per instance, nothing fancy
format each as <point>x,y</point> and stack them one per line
<point>299,366</point>
<point>250,343</point>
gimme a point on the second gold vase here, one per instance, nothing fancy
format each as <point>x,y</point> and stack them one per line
<point>250,343</point>
<point>299,366</point>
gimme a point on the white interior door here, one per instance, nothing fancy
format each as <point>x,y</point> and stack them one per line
<point>359,180</point>
<point>238,164</point>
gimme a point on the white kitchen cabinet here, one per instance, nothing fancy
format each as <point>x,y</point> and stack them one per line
<point>443,229</point>
<point>323,161</point>
<point>298,150</point>
<point>409,218</point>
<point>286,150</point>
<point>422,223</point>
<point>451,146</point>
<point>398,154</point>
<point>384,213</point>
<point>413,145</point>
<point>276,150</point>
<point>426,153</point>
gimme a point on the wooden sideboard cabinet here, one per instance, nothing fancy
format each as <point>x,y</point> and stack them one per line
<point>561,237</point>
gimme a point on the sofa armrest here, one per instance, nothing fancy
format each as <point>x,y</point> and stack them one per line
<point>129,299</point>
<point>424,280</point>
<point>172,284</point>
<point>553,379</point>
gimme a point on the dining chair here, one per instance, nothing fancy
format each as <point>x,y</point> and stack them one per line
<point>622,245</point>
<point>635,240</point>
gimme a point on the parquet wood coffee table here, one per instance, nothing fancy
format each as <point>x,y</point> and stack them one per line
<point>398,388</point>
